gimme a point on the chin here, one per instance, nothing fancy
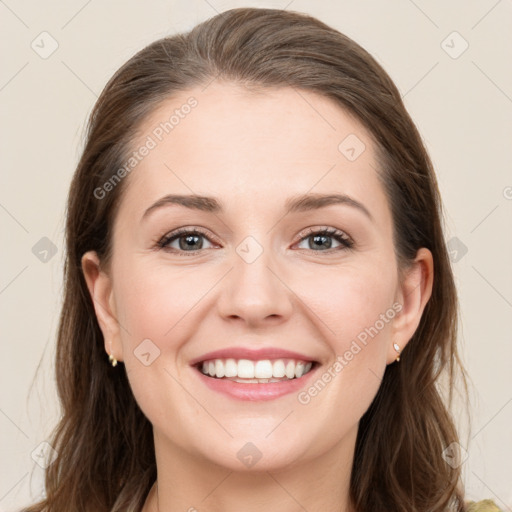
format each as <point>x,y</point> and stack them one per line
<point>248,458</point>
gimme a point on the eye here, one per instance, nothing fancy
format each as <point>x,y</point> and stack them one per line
<point>322,239</point>
<point>188,240</point>
<point>191,240</point>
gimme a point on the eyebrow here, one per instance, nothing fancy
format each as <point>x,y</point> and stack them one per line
<point>300,203</point>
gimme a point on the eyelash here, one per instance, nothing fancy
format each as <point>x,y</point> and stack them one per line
<point>345,241</point>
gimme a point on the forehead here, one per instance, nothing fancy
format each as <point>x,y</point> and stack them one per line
<point>262,146</point>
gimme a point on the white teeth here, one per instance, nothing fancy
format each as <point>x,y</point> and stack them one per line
<point>245,369</point>
<point>230,368</point>
<point>299,369</point>
<point>263,369</point>
<point>290,370</point>
<point>256,381</point>
<point>219,369</point>
<point>248,371</point>
<point>278,368</point>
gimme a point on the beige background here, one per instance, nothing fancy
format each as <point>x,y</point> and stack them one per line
<point>460,100</point>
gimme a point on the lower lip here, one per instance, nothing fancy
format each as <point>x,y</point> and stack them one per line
<point>255,392</point>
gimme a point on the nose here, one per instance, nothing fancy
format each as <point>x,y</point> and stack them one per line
<point>256,292</point>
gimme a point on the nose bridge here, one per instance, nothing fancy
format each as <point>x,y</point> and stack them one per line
<point>253,290</point>
<point>253,262</point>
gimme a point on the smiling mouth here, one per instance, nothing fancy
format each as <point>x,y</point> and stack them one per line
<point>246,371</point>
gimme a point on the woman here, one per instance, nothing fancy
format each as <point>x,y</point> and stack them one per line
<point>259,303</point>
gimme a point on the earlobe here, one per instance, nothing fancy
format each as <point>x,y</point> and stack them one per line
<point>413,295</point>
<point>100,289</point>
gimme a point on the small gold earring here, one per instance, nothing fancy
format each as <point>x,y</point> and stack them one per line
<point>112,359</point>
<point>397,348</point>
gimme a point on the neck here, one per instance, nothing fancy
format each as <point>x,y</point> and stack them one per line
<point>188,483</point>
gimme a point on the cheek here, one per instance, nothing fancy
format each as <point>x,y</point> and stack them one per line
<point>358,311</point>
<point>155,304</point>
<point>152,303</point>
<point>352,303</point>
<point>155,299</point>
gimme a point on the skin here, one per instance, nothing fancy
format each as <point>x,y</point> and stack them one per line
<point>253,150</point>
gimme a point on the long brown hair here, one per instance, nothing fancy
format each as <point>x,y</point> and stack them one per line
<point>105,448</point>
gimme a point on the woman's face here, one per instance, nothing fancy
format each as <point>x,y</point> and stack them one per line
<point>258,282</point>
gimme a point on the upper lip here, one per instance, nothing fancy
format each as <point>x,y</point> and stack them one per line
<point>252,354</point>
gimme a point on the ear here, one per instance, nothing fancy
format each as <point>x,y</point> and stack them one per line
<point>413,294</point>
<point>100,288</point>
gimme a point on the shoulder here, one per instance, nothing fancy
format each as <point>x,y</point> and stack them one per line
<point>482,506</point>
